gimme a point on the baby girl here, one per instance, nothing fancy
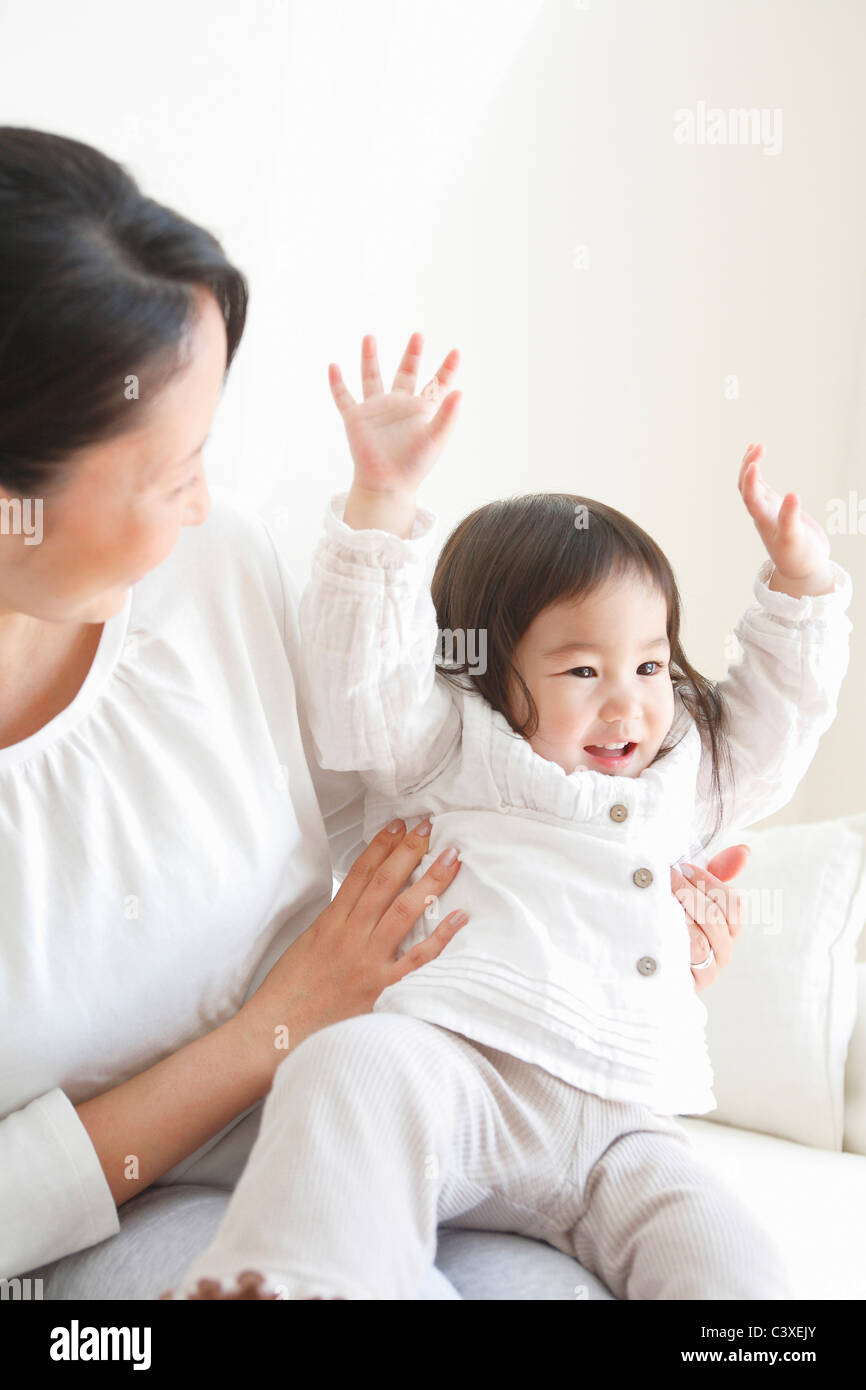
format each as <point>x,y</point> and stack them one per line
<point>527,1078</point>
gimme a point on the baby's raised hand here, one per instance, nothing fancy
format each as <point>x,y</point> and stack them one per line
<point>798,546</point>
<point>396,437</point>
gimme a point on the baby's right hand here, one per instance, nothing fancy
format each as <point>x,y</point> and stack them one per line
<point>395,438</point>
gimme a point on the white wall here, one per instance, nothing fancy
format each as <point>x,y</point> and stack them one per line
<point>399,164</point>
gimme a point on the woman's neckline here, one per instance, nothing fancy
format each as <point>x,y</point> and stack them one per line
<point>111,644</point>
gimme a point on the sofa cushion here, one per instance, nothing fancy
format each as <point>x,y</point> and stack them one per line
<point>855,1070</point>
<point>812,1203</point>
<point>781,1014</point>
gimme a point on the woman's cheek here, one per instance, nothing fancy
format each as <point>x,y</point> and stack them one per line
<point>154,544</point>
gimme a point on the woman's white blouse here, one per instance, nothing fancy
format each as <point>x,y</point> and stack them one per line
<point>162,841</point>
<point>576,956</point>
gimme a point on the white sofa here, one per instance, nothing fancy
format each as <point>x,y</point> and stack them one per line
<point>787,1038</point>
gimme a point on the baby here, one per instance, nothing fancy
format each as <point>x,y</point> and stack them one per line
<point>527,1078</point>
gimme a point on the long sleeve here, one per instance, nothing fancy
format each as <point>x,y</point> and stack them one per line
<point>54,1196</point>
<point>369,635</point>
<point>782,696</point>
<point>340,794</point>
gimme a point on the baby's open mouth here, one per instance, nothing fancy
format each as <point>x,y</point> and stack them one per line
<point>613,756</point>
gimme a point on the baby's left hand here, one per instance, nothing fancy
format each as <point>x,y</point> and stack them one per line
<point>798,546</point>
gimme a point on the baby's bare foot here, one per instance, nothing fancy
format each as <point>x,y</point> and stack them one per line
<point>250,1285</point>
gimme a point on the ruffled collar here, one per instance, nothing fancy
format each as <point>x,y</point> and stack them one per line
<point>662,796</point>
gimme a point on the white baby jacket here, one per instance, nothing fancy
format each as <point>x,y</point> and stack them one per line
<point>576,954</point>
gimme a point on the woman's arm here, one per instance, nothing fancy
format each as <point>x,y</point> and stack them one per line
<point>336,969</point>
<point>56,1160</point>
<point>146,1125</point>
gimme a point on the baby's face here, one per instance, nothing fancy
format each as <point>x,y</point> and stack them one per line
<point>598,670</point>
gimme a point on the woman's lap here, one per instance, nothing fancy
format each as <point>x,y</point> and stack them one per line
<point>161,1230</point>
<point>164,1228</point>
<point>501,1265</point>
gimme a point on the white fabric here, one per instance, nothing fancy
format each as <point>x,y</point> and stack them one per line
<point>547,968</point>
<point>812,1203</point>
<point>379,1129</point>
<point>855,1074</point>
<point>161,842</point>
<point>780,1014</point>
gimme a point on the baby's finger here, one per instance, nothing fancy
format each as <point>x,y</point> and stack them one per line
<point>441,381</point>
<point>754,451</point>
<point>789,515</point>
<point>761,500</point>
<point>407,372</point>
<point>342,396</point>
<point>441,424</point>
<point>371,379</point>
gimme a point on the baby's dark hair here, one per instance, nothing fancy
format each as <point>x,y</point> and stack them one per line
<point>508,560</point>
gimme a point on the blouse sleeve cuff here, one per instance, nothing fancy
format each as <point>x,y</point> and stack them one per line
<point>381,546</point>
<point>59,1196</point>
<point>809,608</point>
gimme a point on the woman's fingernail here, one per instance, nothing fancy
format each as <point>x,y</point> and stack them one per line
<point>688,870</point>
<point>425,827</point>
<point>447,857</point>
<point>458,918</point>
<point>394,826</point>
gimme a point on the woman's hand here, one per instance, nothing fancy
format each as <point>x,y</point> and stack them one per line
<point>395,438</point>
<point>714,913</point>
<point>340,965</point>
<point>798,546</point>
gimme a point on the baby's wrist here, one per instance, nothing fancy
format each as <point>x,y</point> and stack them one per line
<point>820,581</point>
<point>372,510</point>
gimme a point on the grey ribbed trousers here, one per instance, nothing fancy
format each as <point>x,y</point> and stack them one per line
<point>381,1128</point>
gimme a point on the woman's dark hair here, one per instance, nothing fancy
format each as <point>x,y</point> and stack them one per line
<point>97,283</point>
<point>507,561</point>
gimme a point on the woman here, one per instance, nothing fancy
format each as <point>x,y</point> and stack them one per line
<point>166,837</point>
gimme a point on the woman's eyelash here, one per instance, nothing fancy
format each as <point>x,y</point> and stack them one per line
<point>189,482</point>
<point>659,664</point>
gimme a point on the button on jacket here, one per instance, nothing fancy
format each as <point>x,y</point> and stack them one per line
<point>576,955</point>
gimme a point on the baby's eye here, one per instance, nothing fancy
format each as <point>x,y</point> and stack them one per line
<point>579,670</point>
